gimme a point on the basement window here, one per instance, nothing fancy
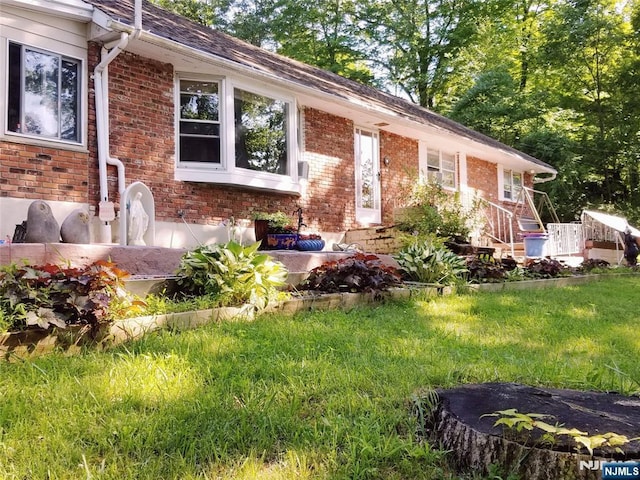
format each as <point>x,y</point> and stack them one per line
<point>43,94</point>
<point>232,134</point>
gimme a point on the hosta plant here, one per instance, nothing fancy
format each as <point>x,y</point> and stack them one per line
<point>424,262</point>
<point>232,273</point>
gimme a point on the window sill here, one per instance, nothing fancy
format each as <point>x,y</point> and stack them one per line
<point>47,143</point>
<point>241,178</point>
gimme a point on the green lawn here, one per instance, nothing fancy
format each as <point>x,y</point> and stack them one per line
<point>318,395</point>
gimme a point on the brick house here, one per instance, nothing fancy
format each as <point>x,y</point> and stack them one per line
<point>101,94</point>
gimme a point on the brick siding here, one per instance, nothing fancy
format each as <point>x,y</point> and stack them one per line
<point>43,173</point>
<point>398,177</point>
<point>142,136</point>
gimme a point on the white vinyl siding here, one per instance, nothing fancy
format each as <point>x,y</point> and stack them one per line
<point>63,37</point>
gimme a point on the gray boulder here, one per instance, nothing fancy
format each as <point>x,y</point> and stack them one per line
<point>42,227</point>
<point>75,228</point>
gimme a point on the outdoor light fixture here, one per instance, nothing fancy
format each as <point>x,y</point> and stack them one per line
<point>386,161</point>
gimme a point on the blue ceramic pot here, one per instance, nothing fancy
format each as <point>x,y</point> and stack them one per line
<point>282,241</point>
<point>313,245</point>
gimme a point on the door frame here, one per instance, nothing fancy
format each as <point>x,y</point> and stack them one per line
<point>369,214</point>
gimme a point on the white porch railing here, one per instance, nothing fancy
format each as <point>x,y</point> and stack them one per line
<point>565,239</point>
<point>499,224</point>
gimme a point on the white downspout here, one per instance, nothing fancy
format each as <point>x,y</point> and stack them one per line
<point>106,212</point>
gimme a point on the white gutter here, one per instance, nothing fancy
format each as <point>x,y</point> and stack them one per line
<point>545,179</point>
<point>369,109</point>
<point>71,9</point>
<point>101,83</point>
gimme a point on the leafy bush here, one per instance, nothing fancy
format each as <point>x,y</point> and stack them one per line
<point>546,268</point>
<point>233,273</point>
<point>278,222</point>
<point>592,265</point>
<point>357,273</point>
<point>51,295</point>
<point>433,210</point>
<point>485,268</point>
<point>426,263</point>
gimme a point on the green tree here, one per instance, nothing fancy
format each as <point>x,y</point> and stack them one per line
<point>496,107</point>
<point>324,34</point>
<point>416,42</point>
<point>585,48</point>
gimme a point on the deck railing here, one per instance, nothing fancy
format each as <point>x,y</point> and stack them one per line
<point>565,238</point>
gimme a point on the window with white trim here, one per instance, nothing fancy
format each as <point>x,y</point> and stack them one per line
<point>511,185</point>
<point>230,133</point>
<point>441,168</point>
<point>43,94</point>
<point>200,122</point>
<point>261,132</point>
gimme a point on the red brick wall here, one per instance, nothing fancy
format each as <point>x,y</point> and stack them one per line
<point>398,177</point>
<point>42,173</point>
<point>483,177</point>
<point>329,149</point>
<point>145,143</point>
<point>142,136</point>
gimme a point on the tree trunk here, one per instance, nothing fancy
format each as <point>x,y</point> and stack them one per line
<point>457,423</point>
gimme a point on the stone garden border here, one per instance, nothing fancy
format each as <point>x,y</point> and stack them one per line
<point>71,340</point>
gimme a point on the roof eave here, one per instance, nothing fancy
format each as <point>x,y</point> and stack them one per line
<point>421,129</point>
<point>70,9</point>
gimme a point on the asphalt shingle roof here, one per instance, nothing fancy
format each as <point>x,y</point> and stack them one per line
<point>179,29</point>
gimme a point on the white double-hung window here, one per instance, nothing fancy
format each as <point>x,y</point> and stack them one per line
<point>438,166</point>
<point>199,123</point>
<point>510,184</point>
<point>44,92</point>
<point>231,133</point>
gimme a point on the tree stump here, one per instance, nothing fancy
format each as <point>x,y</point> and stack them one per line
<point>457,423</point>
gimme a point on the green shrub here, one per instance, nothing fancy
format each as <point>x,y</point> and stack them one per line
<point>278,222</point>
<point>233,273</point>
<point>432,210</point>
<point>424,262</point>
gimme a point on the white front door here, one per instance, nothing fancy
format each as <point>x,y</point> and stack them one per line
<point>367,177</point>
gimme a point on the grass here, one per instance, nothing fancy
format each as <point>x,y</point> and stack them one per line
<point>323,395</point>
